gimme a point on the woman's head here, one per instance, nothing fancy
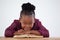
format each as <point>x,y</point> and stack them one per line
<point>27,16</point>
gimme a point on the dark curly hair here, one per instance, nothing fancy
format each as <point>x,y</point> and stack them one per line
<point>27,9</point>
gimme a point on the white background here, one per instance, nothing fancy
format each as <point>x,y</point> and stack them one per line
<point>47,11</point>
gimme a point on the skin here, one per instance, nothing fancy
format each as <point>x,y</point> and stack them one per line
<point>27,23</point>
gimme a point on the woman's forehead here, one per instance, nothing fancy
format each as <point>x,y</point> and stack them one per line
<point>27,18</point>
<point>27,14</point>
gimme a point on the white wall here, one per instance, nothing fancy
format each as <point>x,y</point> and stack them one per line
<point>47,11</point>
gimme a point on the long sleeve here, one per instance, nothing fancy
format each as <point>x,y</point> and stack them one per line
<point>9,32</point>
<point>43,31</point>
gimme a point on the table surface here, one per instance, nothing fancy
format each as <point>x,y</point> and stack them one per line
<point>6,38</point>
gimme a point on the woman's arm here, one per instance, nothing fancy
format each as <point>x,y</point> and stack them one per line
<point>35,32</point>
<point>9,32</point>
<point>42,30</point>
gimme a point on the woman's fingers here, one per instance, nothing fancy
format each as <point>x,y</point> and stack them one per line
<point>21,30</point>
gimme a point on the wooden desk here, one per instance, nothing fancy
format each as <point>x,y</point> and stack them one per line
<point>3,38</point>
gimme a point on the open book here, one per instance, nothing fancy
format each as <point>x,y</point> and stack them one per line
<point>27,36</point>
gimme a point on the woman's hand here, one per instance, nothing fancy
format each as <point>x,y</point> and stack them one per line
<point>19,32</point>
<point>35,32</point>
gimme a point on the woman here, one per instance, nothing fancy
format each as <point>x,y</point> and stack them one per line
<point>27,23</point>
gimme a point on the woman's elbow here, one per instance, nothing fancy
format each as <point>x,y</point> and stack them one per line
<point>8,33</point>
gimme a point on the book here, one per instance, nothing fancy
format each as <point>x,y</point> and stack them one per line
<point>27,36</point>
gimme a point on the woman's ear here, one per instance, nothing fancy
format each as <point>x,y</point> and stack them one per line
<point>19,19</point>
<point>34,20</point>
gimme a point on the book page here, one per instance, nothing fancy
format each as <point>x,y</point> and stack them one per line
<point>27,35</point>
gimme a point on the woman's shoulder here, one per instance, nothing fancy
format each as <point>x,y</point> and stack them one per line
<point>37,20</point>
<point>16,21</point>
